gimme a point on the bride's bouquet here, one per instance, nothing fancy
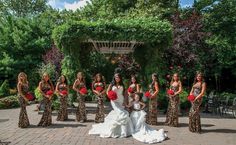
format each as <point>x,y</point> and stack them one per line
<point>112,95</point>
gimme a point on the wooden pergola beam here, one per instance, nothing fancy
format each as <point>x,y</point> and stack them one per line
<point>118,47</point>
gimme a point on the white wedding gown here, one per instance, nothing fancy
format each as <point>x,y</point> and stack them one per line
<point>117,123</point>
<point>142,132</point>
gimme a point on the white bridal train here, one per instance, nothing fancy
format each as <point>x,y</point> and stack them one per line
<point>118,123</point>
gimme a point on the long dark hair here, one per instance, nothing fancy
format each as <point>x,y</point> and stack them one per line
<point>113,83</point>
<point>60,78</point>
<point>155,75</point>
<point>136,79</point>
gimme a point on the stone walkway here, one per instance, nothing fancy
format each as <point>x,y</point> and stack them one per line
<point>216,131</point>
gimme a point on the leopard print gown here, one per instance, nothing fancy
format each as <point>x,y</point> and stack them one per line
<point>100,112</point>
<point>172,117</point>
<point>46,119</point>
<point>194,116</point>
<point>23,118</point>
<point>151,117</point>
<point>62,113</point>
<point>81,109</point>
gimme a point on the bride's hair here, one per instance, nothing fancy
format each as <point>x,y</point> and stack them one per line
<point>113,83</point>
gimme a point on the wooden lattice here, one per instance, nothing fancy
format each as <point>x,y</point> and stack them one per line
<point>117,47</point>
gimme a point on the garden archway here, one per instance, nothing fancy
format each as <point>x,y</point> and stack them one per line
<point>119,35</point>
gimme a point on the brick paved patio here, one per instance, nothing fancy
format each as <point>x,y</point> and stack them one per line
<point>216,131</point>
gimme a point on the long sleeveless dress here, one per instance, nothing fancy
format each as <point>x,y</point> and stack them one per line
<point>62,113</point>
<point>131,96</point>
<point>46,119</point>
<point>23,118</point>
<point>172,111</point>
<point>81,109</point>
<point>142,132</point>
<point>152,108</point>
<point>100,114</point>
<point>194,116</point>
<point>117,123</point>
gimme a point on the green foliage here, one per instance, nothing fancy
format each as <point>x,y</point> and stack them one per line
<point>148,30</point>
<point>4,89</point>
<point>47,68</point>
<point>9,102</point>
<point>70,67</point>
<point>6,64</point>
<point>23,8</point>
<point>220,20</point>
<point>38,95</point>
<point>55,102</point>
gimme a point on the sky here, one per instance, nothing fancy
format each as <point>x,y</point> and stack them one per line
<point>74,4</point>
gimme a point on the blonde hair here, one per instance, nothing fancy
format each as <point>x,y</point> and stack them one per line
<point>24,75</point>
<point>172,79</point>
<point>198,73</point>
<point>82,77</point>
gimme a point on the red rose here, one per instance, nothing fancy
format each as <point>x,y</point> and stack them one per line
<point>29,96</point>
<point>112,95</point>
<point>171,67</point>
<point>99,88</point>
<point>147,94</point>
<point>64,92</point>
<point>83,90</point>
<point>50,92</point>
<point>130,90</point>
<point>191,98</point>
<point>170,92</point>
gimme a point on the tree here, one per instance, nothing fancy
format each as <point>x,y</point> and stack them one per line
<point>23,8</point>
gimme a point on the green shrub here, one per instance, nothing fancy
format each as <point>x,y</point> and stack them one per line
<point>4,89</point>
<point>55,102</point>
<point>38,95</point>
<point>162,100</point>
<point>184,103</point>
<point>9,102</point>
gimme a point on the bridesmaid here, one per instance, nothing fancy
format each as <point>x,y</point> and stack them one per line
<point>198,90</point>
<point>81,110</point>
<point>152,106</point>
<point>23,87</point>
<point>45,86</point>
<point>134,86</point>
<point>62,90</point>
<point>172,111</point>
<point>99,89</point>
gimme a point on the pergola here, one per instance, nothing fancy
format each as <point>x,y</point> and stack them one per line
<point>116,47</point>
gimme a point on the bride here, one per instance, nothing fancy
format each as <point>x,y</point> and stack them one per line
<point>117,123</point>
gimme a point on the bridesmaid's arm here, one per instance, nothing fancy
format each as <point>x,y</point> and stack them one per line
<point>108,89</point>
<point>75,85</point>
<point>20,91</point>
<point>40,89</point>
<point>156,88</point>
<point>94,90</point>
<point>202,91</point>
<point>104,90</point>
<point>138,88</point>
<point>180,89</point>
<point>57,85</point>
